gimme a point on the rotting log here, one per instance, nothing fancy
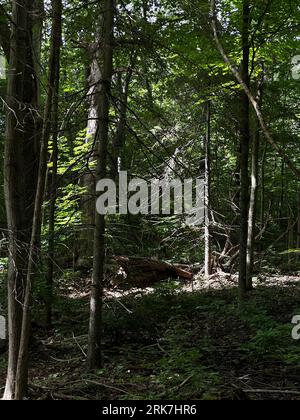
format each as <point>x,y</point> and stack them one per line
<point>144,272</point>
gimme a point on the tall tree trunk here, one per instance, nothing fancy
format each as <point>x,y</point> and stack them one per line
<point>22,365</point>
<point>94,359</point>
<point>280,212</point>
<point>262,185</point>
<point>20,165</point>
<point>207,201</point>
<point>298,226</point>
<point>290,244</point>
<point>252,209</point>
<point>253,196</point>
<point>85,248</point>
<point>244,151</point>
<point>53,197</point>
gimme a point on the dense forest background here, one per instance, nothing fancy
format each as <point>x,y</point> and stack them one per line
<point>145,306</point>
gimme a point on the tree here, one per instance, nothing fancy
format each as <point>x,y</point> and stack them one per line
<point>20,164</point>
<point>244,149</point>
<point>207,204</point>
<point>95,326</point>
<point>253,195</point>
<point>34,248</point>
<point>52,187</point>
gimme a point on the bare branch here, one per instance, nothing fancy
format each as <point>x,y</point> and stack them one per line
<point>252,100</point>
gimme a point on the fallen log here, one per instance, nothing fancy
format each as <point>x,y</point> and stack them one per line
<point>144,272</point>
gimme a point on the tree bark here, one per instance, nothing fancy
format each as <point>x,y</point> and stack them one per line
<point>244,151</point>
<point>262,185</point>
<point>207,201</point>
<point>298,225</point>
<point>253,199</point>
<point>252,209</point>
<point>22,364</point>
<point>128,272</point>
<point>85,249</point>
<point>94,359</point>
<point>118,142</point>
<point>20,166</point>
<point>53,195</point>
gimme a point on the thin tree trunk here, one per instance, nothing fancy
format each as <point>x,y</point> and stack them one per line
<point>244,151</point>
<point>86,234</point>
<point>290,244</point>
<point>262,186</point>
<point>22,366</point>
<point>298,225</point>
<point>207,201</point>
<point>252,209</point>
<point>280,213</point>
<point>20,166</point>
<point>94,359</point>
<point>13,195</point>
<point>253,196</point>
<point>118,142</point>
<point>53,197</point>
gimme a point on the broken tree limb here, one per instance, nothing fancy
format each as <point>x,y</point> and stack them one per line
<point>252,100</point>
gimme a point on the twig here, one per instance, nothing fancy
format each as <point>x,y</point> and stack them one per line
<point>270,391</point>
<point>68,397</point>
<point>65,360</point>
<point>185,381</point>
<point>80,347</point>
<point>89,381</point>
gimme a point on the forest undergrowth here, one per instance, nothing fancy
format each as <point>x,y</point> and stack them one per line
<point>172,342</point>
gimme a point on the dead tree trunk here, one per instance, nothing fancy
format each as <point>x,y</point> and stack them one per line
<point>128,272</point>
<point>94,359</point>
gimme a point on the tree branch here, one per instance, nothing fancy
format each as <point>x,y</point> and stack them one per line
<point>252,100</point>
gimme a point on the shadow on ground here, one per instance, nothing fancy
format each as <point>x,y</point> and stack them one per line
<point>173,344</point>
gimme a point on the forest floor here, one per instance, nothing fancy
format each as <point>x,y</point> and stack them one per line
<point>173,342</point>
